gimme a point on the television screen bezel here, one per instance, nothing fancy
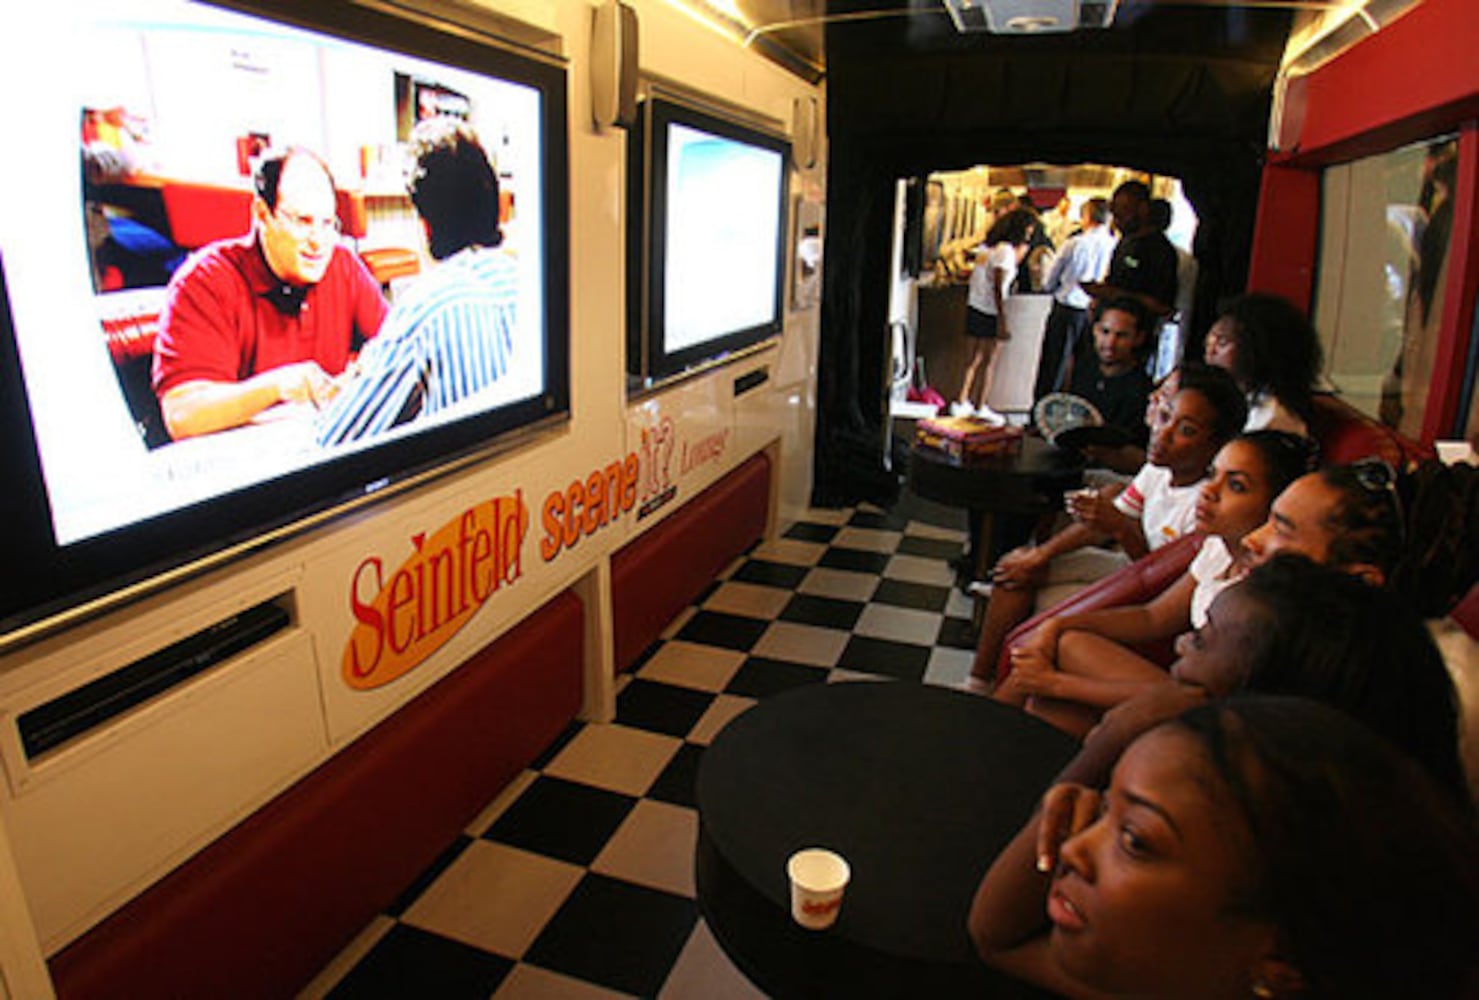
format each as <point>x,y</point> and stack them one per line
<point>649,362</point>
<point>48,586</point>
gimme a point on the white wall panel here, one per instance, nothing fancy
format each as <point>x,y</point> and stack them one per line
<point>103,816</point>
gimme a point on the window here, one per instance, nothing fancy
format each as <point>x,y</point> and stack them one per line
<point>1385,232</point>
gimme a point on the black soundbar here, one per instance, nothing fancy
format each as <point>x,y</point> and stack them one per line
<point>751,380</point>
<point>74,713</point>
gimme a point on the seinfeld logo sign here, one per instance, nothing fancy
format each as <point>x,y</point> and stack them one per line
<point>405,614</point>
<point>643,481</point>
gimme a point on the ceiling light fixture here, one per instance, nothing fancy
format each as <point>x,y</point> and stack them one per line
<point>1017,17</point>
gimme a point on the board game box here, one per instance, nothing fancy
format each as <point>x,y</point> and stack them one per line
<point>966,437</point>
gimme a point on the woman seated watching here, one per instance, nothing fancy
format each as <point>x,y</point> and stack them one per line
<point>1345,516</point>
<point>1115,383</point>
<point>1205,412</point>
<point>1273,352</point>
<point>1271,847</point>
<point>1098,668</point>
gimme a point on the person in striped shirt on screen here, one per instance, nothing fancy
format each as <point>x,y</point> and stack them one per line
<point>450,335</point>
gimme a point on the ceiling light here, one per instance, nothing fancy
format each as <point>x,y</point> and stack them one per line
<point>1016,17</point>
<point>1034,23</point>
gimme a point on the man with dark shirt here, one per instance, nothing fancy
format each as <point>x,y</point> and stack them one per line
<point>1116,382</point>
<point>1144,263</point>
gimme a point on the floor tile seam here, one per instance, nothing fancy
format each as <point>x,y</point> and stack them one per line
<point>609,990</point>
<point>571,781</point>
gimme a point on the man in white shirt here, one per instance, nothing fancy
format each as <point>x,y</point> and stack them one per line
<point>1058,224</point>
<point>1084,257</point>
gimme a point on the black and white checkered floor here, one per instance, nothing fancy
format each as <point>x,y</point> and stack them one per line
<point>577,882</point>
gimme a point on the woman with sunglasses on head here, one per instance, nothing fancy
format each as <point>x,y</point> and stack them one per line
<point>1267,847</point>
<point>1346,516</point>
<point>1071,668</point>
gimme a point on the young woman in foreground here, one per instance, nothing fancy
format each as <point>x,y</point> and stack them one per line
<point>1267,847</point>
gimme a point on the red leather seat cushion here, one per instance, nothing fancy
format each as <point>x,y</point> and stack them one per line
<point>657,574</point>
<point>1346,434</point>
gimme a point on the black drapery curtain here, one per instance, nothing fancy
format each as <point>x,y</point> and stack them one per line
<point>1193,106</point>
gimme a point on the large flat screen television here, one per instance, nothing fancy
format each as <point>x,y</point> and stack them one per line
<point>707,207</point>
<point>148,255</point>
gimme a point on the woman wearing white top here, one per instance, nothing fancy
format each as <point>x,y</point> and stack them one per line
<point>991,283</point>
<point>1101,669</point>
<point>1273,352</point>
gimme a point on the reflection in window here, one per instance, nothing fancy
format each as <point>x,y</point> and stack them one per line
<point>1386,227</point>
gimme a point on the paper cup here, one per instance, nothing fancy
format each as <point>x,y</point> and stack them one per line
<point>1454,452</point>
<point>818,878</point>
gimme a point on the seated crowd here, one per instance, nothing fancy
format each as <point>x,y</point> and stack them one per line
<point>1282,809</point>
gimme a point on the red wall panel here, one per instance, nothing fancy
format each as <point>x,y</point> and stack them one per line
<point>1415,79</point>
<point>1417,76</point>
<point>1286,235</point>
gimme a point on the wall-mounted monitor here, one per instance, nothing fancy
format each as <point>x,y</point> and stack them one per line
<point>707,208</point>
<point>151,270</point>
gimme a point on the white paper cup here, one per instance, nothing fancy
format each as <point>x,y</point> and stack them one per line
<point>818,877</point>
<point>1454,452</point>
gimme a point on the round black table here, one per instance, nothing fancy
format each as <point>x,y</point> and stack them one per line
<point>1028,481</point>
<point>917,786</point>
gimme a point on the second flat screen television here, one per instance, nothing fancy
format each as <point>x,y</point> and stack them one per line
<point>707,210</point>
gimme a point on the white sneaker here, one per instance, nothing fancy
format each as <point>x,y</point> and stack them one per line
<point>962,410</point>
<point>989,415</point>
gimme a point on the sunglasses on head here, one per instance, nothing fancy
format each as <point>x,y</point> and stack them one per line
<point>1377,476</point>
<point>1307,449</point>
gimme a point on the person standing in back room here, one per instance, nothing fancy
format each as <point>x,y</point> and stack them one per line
<point>1082,258</point>
<point>1161,214</point>
<point>992,275</point>
<point>1143,265</point>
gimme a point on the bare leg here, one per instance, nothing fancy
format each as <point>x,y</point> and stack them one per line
<point>1089,655</point>
<point>988,357</point>
<point>980,356</point>
<point>1004,611</point>
<point>1123,673</point>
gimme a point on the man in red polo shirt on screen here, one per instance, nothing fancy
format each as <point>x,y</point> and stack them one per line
<point>270,317</point>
